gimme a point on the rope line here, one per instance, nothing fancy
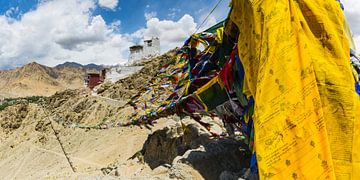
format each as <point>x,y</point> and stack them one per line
<point>58,139</point>
<point>208,16</point>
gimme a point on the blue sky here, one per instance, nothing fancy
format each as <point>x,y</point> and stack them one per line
<point>100,31</point>
<point>95,31</point>
<point>131,13</point>
<point>23,5</point>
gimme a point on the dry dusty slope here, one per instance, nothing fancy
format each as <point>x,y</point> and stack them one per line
<point>98,148</point>
<point>35,79</point>
<point>29,149</point>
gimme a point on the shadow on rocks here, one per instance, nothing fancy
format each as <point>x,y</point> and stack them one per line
<point>192,146</point>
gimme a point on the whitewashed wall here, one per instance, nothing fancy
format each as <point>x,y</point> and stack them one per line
<point>147,52</point>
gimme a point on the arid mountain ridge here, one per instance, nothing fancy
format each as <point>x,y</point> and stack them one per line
<point>38,80</point>
<point>90,66</point>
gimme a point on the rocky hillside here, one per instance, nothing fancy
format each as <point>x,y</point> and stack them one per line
<point>36,137</point>
<point>35,79</point>
<point>138,82</point>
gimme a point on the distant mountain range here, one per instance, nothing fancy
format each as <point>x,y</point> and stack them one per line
<point>36,79</point>
<point>77,65</point>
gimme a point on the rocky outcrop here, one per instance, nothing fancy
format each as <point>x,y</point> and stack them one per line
<point>189,148</point>
<point>163,146</point>
<point>14,117</point>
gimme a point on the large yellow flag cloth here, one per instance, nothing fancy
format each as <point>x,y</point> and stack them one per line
<point>296,59</point>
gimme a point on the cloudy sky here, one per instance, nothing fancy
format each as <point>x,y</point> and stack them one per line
<point>100,31</point>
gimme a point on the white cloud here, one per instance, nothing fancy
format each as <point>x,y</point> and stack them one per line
<point>173,12</point>
<point>64,30</point>
<point>352,12</point>
<point>150,15</point>
<point>58,31</point>
<point>11,11</point>
<point>172,15</point>
<point>171,33</point>
<point>111,4</point>
<point>116,25</point>
<point>12,14</point>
